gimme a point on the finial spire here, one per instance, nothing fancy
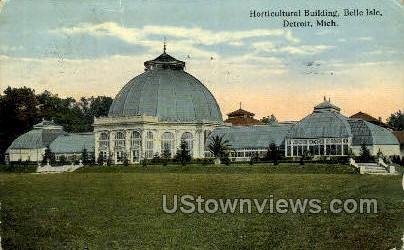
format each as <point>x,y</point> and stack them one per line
<point>325,99</point>
<point>164,45</point>
<point>240,105</point>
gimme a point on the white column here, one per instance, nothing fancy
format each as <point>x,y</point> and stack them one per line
<point>286,147</point>
<point>199,144</point>
<point>143,144</point>
<point>157,142</point>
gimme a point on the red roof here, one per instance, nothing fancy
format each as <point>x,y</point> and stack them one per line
<point>369,118</point>
<point>243,121</point>
<point>240,112</point>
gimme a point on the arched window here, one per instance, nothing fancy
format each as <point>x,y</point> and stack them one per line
<point>120,139</point>
<point>149,145</point>
<point>167,143</point>
<point>188,138</point>
<point>104,141</point>
<point>136,140</point>
<point>136,143</point>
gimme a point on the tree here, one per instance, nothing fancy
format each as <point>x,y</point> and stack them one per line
<point>396,121</point>
<point>305,156</point>
<point>84,156</point>
<point>254,158</point>
<point>100,160</point>
<point>269,119</point>
<point>48,156</point>
<point>273,154</point>
<point>18,113</point>
<point>165,155</point>
<point>183,155</point>
<point>218,146</point>
<point>365,155</point>
<point>21,108</point>
<point>62,160</point>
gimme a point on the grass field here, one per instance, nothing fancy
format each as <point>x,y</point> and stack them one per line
<point>120,207</point>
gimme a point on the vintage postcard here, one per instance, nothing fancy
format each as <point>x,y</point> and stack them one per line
<point>134,124</point>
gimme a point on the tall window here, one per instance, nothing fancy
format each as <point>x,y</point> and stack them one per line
<point>136,145</point>
<point>120,140</point>
<point>136,140</point>
<point>187,137</point>
<point>167,142</point>
<point>104,141</point>
<point>149,145</point>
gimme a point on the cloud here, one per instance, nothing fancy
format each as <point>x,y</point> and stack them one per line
<point>293,50</point>
<point>181,39</point>
<point>364,38</point>
<point>195,34</point>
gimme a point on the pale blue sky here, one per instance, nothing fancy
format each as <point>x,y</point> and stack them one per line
<point>58,45</point>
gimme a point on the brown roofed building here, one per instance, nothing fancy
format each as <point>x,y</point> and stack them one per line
<point>369,118</point>
<point>242,117</point>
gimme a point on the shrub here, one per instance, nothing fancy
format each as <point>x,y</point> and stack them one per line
<point>48,156</point>
<point>225,159</point>
<point>396,159</point>
<point>183,155</point>
<point>218,146</point>
<point>365,155</point>
<point>100,160</point>
<point>254,158</point>
<point>165,156</point>
<point>62,160</point>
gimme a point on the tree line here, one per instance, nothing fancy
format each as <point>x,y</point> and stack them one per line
<point>21,108</point>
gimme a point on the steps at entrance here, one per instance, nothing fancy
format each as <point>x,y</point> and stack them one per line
<point>373,168</point>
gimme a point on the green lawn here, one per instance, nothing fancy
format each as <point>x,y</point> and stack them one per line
<point>120,207</point>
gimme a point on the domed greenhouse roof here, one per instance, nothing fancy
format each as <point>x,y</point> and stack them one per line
<point>324,122</point>
<point>166,91</point>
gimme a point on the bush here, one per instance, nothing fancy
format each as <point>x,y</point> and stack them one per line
<point>365,155</point>
<point>254,158</point>
<point>183,155</point>
<point>225,159</point>
<point>62,160</point>
<point>396,159</point>
<point>49,156</point>
<point>100,160</point>
<point>109,161</point>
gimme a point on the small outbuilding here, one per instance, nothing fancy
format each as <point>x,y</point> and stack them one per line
<point>31,146</point>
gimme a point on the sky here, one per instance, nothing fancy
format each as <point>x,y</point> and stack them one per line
<point>94,47</point>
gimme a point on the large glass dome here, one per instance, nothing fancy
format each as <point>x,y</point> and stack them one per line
<point>166,91</point>
<point>325,122</point>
